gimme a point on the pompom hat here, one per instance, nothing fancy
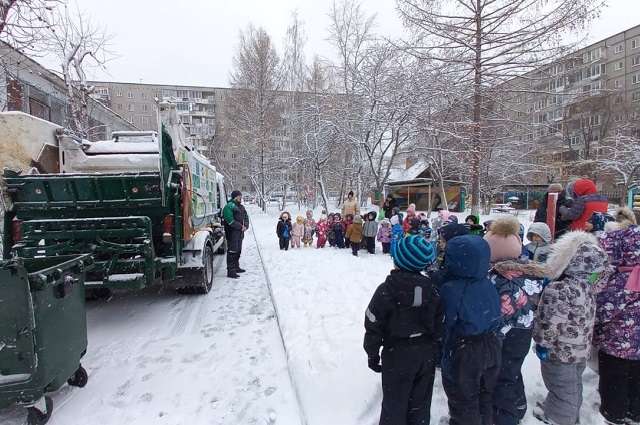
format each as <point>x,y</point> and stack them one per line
<point>413,253</point>
<point>503,239</point>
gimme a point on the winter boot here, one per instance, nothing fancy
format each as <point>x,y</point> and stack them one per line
<point>239,270</point>
<point>232,261</point>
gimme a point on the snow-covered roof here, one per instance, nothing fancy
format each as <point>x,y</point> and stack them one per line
<point>407,174</point>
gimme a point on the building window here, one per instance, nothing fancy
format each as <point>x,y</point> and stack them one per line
<point>618,49</point>
<point>635,96</point>
<point>234,155</point>
<point>145,120</point>
<point>102,91</point>
<point>618,66</point>
<point>143,95</point>
<point>132,107</point>
<point>119,93</point>
<point>617,83</point>
<point>130,95</point>
<point>635,61</point>
<point>635,43</point>
<point>120,106</point>
<point>595,120</point>
<point>234,166</point>
<point>596,70</point>
<point>132,120</point>
<point>635,79</point>
<point>168,93</point>
<point>195,94</point>
<point>574,140</point>
<point>144,107</point>
<point>618,118</point>
<point>183,94</point>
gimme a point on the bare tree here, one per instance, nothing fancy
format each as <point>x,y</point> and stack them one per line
<point>350,32</point>
<point>489,42</point>
<point>25,24</point>
<point>622,156</point>
<point>293,65</point>
<point>255,109</point>
<point>79,45</point>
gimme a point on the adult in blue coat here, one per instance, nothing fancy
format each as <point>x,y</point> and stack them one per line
<point>471,358</point>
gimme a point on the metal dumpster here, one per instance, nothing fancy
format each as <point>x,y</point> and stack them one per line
<point>43,329</point>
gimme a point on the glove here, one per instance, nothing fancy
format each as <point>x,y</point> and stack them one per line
<point>541,352</point>
<point>374,364</point>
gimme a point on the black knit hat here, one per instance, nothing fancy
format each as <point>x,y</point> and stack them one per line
<point>235,194</point>
<point>452,230</point>
<point>413,253</point>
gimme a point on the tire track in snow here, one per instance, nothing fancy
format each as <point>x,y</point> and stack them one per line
<point>303,416</point>
<point>189,303</point>
<point>183,317</point>
<point>201,299</point>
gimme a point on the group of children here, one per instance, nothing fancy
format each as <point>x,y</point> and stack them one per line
<point>351,232</point>
<point>495,295</point>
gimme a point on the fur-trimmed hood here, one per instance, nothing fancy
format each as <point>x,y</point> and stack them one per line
<point>528,268</point>
<point>624,218</point>
<point>575,253</point>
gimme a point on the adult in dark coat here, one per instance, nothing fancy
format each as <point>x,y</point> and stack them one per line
<point>388,206</point>
<point>562,226</point>
<point>236,222</point>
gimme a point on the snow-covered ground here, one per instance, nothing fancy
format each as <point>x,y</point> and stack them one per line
<point>281,345</point>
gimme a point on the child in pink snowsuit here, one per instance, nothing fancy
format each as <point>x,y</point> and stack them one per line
<point>297,231</point>
<point>321,231</point>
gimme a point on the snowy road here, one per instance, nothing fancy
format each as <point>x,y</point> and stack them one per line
<point>156,358</point>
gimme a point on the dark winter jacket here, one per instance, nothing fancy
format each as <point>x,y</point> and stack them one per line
<point>283,229</point>
<point>561,225</point>
<point>404,310</point>
<point>471,303</point>
<point>617,329</point>
<point>474,228</point>
<point>587,202</point>
<point>519,284</point>
<point>566,313</point>
<point>388,207</point>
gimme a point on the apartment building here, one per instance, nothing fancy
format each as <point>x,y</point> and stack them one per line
<point>571,108</point>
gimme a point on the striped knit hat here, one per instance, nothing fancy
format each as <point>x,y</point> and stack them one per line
<point>413,253</point>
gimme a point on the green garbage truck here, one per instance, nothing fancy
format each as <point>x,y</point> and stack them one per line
<point>145,204</point>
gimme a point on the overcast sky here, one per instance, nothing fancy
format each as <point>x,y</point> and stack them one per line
<point>192,42</point>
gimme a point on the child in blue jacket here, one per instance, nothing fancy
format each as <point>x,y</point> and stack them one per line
<point>396,233</point>
<point>472,354</point>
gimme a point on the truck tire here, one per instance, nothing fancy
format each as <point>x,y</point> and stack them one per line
<point>205,278</point>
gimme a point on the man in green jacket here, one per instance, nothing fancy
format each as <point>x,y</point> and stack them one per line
<point>236,222</point>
